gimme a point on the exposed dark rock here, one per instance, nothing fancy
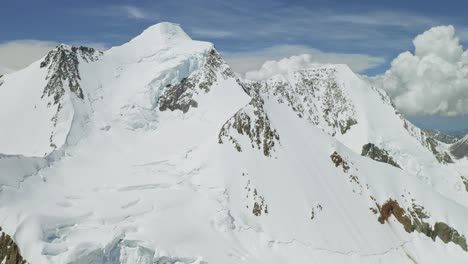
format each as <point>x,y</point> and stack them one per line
<point>391,207</point>
<point>336,105</point>
<point>253,122</point>
<point>346,125</point>
<point>259,206</point>
<point>214,63</point>
<point>181,96</point>
<point>338,161</point>
<point>465,182</point>
<point>257,209</point>
<point>448,234</point>
<point>355,179</point>
<point>87,54</point>
<point>372,151</point>
<point>316,97</point>
<point>9,251</point>
<point>54,123</point>
<point>413,220</point>
<point>176,97</point>
<point>62,63</point>
<point>441,157</point>
<point>315,211</point>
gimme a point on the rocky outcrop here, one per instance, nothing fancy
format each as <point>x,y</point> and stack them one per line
<point>259,205</point>
<point>465,183</point>
<point>62,63</point>
<point>414,220</point>
<point>339,162</point>
<point>177,97</point>
<point>182,96</point>
<point>314,95</point>
<point>315,210</point>
<point>372,151</point>
<point>9,251</point>
<point>442,157</point>
<point>253,122</point>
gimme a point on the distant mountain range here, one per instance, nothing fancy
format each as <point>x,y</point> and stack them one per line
<point>449,137</point>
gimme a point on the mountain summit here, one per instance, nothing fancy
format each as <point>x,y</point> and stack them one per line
<point>163,33</point>
<point>155,152</point>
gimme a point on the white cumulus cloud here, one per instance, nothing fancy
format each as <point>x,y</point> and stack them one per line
<point>274,67</point>
<point>434,79</point>
<point>265,63</point>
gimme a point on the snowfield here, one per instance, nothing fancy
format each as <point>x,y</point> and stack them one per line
<point>155,152</point>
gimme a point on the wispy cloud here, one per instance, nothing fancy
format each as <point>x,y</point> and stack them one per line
<point>124,12</point>
<point>134,12</point>
<point>262,24</point>
<point>210,33</point>
<point>243,26</point>
<point>385,18</point>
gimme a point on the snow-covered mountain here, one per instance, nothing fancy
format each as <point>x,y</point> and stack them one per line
<point>155,152</point>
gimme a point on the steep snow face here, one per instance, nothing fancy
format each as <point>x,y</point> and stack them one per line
<point>169,158</point>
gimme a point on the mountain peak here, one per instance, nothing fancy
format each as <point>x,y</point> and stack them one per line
<point>162,33</point>
<point>157,38</point>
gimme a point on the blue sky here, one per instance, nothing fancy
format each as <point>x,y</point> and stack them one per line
<point>378,30</point>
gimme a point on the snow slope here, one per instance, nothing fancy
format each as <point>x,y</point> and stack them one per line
<point>155,152</point>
